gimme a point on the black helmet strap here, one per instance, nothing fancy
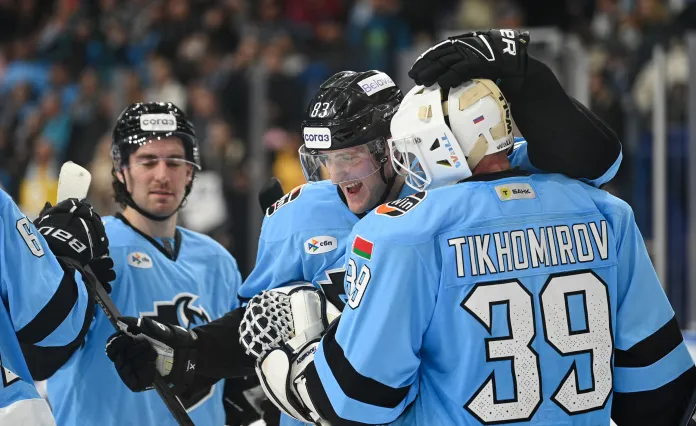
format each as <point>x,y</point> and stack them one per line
<point>388,180</point>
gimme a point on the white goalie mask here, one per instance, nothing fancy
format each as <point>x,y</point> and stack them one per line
<point>438,139</point>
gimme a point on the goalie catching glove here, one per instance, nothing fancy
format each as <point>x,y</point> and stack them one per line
<point>493,55</point>
<point>145,347</point>
<point>282,329</point>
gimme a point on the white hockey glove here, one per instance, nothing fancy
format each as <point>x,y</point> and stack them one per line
<point>282,328</point>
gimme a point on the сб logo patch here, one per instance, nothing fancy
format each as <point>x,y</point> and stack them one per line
<point>321,244</point>
<point>139,260</point>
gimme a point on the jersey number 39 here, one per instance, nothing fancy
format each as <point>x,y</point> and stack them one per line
<point>596,339</point>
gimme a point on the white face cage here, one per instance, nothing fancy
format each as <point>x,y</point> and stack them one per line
<point>432,152</point>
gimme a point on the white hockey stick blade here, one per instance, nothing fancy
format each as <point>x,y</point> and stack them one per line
<point>73,181</point>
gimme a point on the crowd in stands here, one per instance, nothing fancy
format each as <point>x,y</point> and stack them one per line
<point>68,67</point>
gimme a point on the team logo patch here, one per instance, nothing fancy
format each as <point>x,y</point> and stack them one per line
<point>139,260</point>
<point>362,247</point>
<point>285,199</point>
<point>515,191</point>
<point>401,206</point>
<point>321,244</point>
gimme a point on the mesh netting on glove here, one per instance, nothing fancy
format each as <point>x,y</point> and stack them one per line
<point>267,323</point>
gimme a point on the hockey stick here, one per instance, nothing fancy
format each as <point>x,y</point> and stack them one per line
<point>73,182</point>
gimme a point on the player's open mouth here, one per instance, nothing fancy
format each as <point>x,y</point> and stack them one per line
<point>353,188</point>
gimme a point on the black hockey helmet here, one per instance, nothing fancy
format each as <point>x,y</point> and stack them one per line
<point>142,123</point>
<point>350,109</point>
<point>355,106</point>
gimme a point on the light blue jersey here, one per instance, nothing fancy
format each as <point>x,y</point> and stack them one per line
<point>194,284</point>
<point>40,306</point>
<point>304,236</point>
<point>521,299</point>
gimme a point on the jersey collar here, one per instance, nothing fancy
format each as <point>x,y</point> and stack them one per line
<point>177,239</point>
<point>486,177</point>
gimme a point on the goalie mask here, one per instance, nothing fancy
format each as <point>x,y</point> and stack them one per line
<point>143,123</point>
<point>438,138</point>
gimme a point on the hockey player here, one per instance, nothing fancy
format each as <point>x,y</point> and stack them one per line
<point>507,297</point>
<point>165,272</point>
<point>304,234</point>
<point>46,309</point>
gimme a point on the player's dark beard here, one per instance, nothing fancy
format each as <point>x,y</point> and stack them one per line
<point>131,203</point>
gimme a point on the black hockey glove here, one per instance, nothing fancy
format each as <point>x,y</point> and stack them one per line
<point>73,229</point>
<point>147,347</point>
<point>492,55</point>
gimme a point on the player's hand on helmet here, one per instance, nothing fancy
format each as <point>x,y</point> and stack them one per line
<point>493,55</point>
<point>144,348</point>
<point>74,230</point>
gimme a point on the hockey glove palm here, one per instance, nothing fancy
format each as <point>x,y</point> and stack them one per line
<point>74,230</point>
<point>492,55</point>
<point>144,348</point>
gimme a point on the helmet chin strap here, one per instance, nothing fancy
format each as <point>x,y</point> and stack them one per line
<point>131,203</point>
<point>389,181</point>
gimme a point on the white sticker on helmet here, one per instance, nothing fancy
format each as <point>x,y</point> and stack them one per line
<point>375,83</point>
<point>317,137</point>
<point>157,122</point>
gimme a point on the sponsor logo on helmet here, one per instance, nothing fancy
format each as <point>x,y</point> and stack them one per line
<point>515,191</point>
<point>402,206</point>
<point>321,244</point>
<point>284,200</point>
<point>139,260</point>
<point>157,122</point>
<point>376,83</point>
<point>317,137</point>
<point>453,157</point>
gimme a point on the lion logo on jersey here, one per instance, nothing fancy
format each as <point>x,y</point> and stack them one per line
<point>182,311</point>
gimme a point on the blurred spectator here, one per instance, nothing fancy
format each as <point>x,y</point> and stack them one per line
<point>380,35</point>
<point>175,27</point>
<point>606,103</point>
<point>101,191</point>
<point>221,32</point>
<point>203,110</point>
<point>286,166</point>
<point>57,124</point>
<point>90,118</point>
<point>60,82</point>
<point>40,183</point>
<point>164,88</point>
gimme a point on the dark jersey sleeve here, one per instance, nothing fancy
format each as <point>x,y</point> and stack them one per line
<point>563,135</point>
<point>220,354</point>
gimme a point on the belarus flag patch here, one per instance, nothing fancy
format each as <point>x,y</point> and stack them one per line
<point>362,247</point>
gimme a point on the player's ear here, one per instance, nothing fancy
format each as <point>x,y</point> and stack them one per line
<point>189,175</point>
<point>120,177</point>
